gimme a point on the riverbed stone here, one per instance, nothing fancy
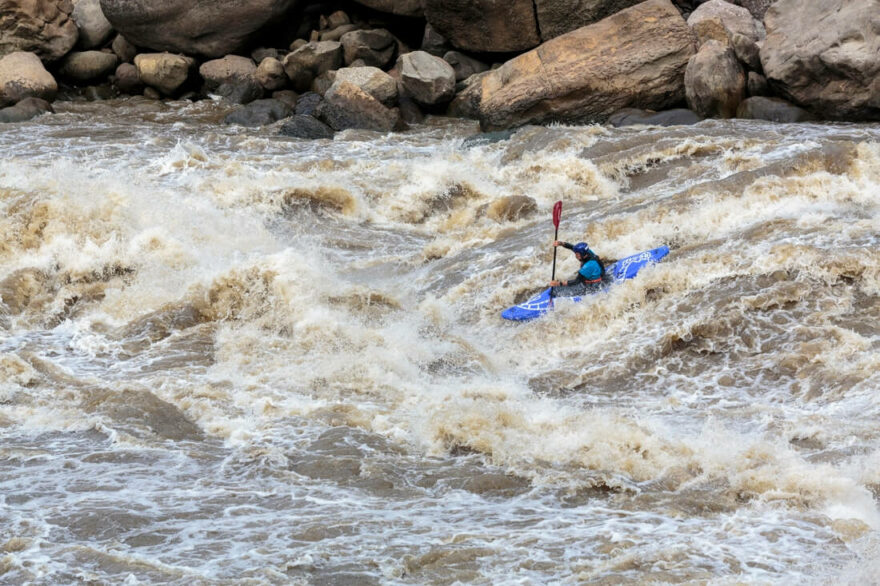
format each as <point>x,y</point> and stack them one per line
<point>165,72</point>
<point>305,127</point>
<point>94,28</point>
<point>208,29</point>
<point>773,109</point>
<point>123,49</point>
<point>464,65</point>
<point>311,60</point>
<point>259,113</point>
<point>715,82</point>
<point>433,42</point>
<point>346,106</point>
<point>25,110</point>
<point>270,74</point>
<point>825,56</point>
<point>635,58</point>
<point>240,90</point>
<point>307,104</point>
<point>82,66</point>
<point>127,79</point>
<point>429,80</point>
<point>375,47</point>
<point>22,75</point>
<point>372,80</point>
<point>43,27</point>
<point>230,68</point>
<point>485,26</point>
<point>747,51</point>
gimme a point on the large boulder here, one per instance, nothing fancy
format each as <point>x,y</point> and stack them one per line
<point>825,56</point>
<point>485,26</point>
<point>22,75</point>
<point>375,47</point>
<point>229,69</point>
<point>164,71</point>
<point>44,27</point>
<point>372,80</point>
<point>735,19</point>
<point>557,17</point>
<point>94,28</point>
<point>773,109</point>
<point>84,66</point>
<point>401,7</point>
<point>346,105</point>
<point>635,58</point>
<point>715,82</point>
<point>429,80</point>
<point>311,60</point>
<point>25,110</point>
<point>210,29</point>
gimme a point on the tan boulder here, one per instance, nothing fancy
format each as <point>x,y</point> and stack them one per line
<point>270,74</point>
<point>86,66</point>
<point>165,72</point>
<point>228,69</point>
<point>427,79</point>
<point>372,80</point>
<point>347,106</point>
<point>94,28</point>
<point>715,82</point>
<point>485,26</point>
<point>311,60</point>
<point>635,58</point>
<point>43,27</point>
<point>735,19</point>
<point>22,75</point>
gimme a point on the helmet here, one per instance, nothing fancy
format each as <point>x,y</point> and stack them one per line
<point>580,248</point>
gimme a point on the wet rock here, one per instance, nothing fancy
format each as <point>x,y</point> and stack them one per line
<point>123,49</point>
<point>401,7</point>
<point>746,51</point>
<point>735,19</point>
<point>22,75</point>
<point>259,113</point>
<point>346,106</point>
<point>43,27</point>
<point>136,410</point>
<point>322,83</point>
<point>427,79</point>
<point>94,28</point>
<point>434,43</point>
<point>305,127</point>
<point>715,83</point>
<point>127,79</point>
<point>26,109</point>
<point>634,116</point>
<point>511,208</point>
<point>410,113</point>
<point>97,93</point>
<point>372,80</point>
<point>773,109</point>
<point>756,85</point>
<point>289,97</point>
<point>375,47</point>
<point>152,93</point>
<point>311,60</point>
<point>307,104</point>
<point>240,91</point>
<point>229,69</point>
<point>557,17</point>
<point>635,58</point>
<point>824,56</point>
<point>164,72</point>
<point>463,65</point>
<point>485,26</point>
<point>209,29</point>
<point>270,74</point>
<point>85,66</point>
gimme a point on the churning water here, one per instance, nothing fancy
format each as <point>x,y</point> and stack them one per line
<point>228,357</point>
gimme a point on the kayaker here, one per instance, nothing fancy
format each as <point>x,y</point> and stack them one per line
<point>588,278</point>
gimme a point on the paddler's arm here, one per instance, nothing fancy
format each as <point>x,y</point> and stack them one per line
<point>563,244</point>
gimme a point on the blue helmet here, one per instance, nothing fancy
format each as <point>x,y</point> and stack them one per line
<point>580,248</point>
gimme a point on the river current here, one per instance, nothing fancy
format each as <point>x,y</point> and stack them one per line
<point>229,357</point>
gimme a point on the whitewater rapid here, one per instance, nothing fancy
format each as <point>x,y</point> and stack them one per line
<point>232,357</point>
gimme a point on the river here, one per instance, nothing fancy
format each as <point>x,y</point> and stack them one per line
<point>229,357</point>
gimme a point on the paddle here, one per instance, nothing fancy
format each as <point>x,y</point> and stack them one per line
<point>557,214</point>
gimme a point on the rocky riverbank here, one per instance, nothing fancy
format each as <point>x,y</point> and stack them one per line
<point>381,65</point>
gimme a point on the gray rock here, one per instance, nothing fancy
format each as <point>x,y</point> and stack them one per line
<point>88,65</point>
<point>43,27</point>
<point>372,80</point>
<point>714,81</point>
<point>229,69</point>
<point>240,90</point>
<point>434,43</point>
<point>410,113</point>
<point>259,113</point>
<point>773,109</point>
<point>463,65</point>
<point>270,74</point>
<point>305,127</point>
<point>429,80</point>
<point>307,104</point>
<point>375,47</point>
<point>25,110</point>
<point>22,75</point>
<point>152,93</point>
<point>310,61</point>
<point>123,49</point>
<point>94,28</point>
<point>636,116</point>
<point>347,106</point>
<point>746,51</point>
<point>165,72</point>
<point>127,79</point>
<point>736,19</point>
<point>322,83</point>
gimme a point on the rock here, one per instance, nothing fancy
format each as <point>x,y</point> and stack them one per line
<point>22,75</point>
<point>152,94</point>
<point>97,93</point>
<point>270,74</point>
<point>307,104</point>
<point>258,55</point>
<point>305,127</point>
<point>466,103</point>
<point>229,69</point>
<point>209,29</point>
<point>635,58</point>
<point>557,17</point>
<point>123,49</point>
<point>756,85</point>
<point>485,26</point>
<point>746,51</point>
<point>463,65</point>
<point>310,61</point>
<point>322,83</point>
<point>164,71</point>
<point>94,28</point>
<point>427,79</point>
<point>298,43</point>
<point>337,33</point>
<point>376,47</point>
<point>715,83</point>
<point>735,19</point>
<point>88,65</point>
<point>758,8</point>
<point>259,113</point>
<point>410,113</point>
<point>127,79</point>
<point>401,7</point>
<point>773,109</point>
<point>43,27</point>
<point>347,106</point>
<point>823,56</point>
<point>26,109</point>
<point>511,208</point>
<point>711,29</point>
<point>240,90</point>
<point>434,43</point>
<point>372,80</point>
<point>289,97</point>
<point>335,20</point>
<point>635,116</point>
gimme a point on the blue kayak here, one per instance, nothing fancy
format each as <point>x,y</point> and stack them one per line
<point>625,268</point>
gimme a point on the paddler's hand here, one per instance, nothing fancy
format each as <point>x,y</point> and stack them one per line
<point>557,243</point>
<point>555,283</point>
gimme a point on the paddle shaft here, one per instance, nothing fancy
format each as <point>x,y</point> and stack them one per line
<point>555,238</point>
<point>557,216</point>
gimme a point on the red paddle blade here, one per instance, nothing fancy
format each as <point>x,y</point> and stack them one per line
<point>557,213</point>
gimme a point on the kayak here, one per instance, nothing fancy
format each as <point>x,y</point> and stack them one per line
<point>625,268</point>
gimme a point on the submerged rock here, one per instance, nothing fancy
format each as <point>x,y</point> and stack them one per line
<point>305,127</point>
<point>25,110</point>
<point>22,75</point>
<point>259,113</point>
